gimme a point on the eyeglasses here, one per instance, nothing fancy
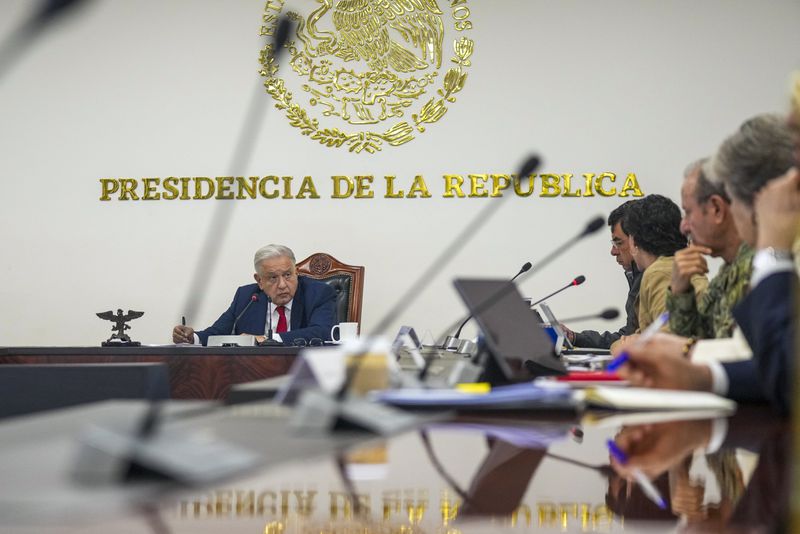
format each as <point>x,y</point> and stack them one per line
<point>313,342</point>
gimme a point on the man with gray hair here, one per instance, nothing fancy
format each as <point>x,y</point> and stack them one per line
<point>756,164</point>
<point>300,307</point>
<point>708,223</point>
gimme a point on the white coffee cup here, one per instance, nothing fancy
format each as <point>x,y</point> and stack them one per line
<point>346,331</point>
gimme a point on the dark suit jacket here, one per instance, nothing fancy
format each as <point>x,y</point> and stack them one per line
<point>313,313</point>
<point>594,339</point>
<point>765,317</point>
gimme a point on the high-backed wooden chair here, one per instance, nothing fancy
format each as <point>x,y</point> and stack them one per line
<point>347,280</point>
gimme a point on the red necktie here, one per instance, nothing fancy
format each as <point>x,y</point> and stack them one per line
<point>281,320</point>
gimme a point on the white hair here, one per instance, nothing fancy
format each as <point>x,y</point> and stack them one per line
<point>758,152</point>
<point>272,251</point>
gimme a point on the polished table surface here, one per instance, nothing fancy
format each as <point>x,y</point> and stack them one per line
<point>195,372</point>
<point>542,472</point>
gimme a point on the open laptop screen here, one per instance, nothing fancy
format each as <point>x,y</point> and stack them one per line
<point>516,342</point>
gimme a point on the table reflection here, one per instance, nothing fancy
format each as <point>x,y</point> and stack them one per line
<point>489,476</point>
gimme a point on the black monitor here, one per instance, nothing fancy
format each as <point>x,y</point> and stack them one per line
<point>519,350</point>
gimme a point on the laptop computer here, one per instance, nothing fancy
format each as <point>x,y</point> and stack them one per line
<point>564,346</point>
<point>562,340</point>
<point>518,348</point>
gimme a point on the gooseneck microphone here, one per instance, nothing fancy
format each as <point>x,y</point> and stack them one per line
<point>524,269</point>
<point>607,314</point>
<point>578,280</point>
<point>528,167</point>
<point>253,298</point>
<point>593,226</point>
<point>13,46</point>
<point>317,411</point>
<point>245,144</point>
<point>481,218</point>
<point>452,342</point>
<point>269,340</point>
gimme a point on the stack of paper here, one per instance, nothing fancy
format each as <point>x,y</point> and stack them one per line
<point>653,399</point>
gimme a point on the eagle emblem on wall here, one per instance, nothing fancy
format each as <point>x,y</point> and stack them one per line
<point>370,70</point>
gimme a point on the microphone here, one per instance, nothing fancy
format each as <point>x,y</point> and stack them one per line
<point>593,226</point>
<point>607,314</point>
<point>480,219</point>
<point>242,154</point>
<point>317,411</point>
<point>524,269</point>
<point>578,280</point>
<point>14,45</point>
<point>452,342</point>
<point>253,298</point>
<point>269,340</point>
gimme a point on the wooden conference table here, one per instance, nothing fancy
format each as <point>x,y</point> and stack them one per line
<point>194,372</point>
<point>542,472</point>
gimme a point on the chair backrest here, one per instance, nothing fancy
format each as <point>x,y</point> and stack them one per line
<point>347,280</point>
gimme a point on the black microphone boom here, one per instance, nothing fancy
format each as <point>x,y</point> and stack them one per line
<point>523,269</point>
<point>269,340</point>
<point>315,410</point>
<point>436,266</point>
<point>578,280</point>
<point>13,47</point>
<point>607,314</point>
<point>253,298</point>
<point>243,152</point>
<point>593,226</point>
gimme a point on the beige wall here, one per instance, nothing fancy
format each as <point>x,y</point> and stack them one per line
<point>157,89</point>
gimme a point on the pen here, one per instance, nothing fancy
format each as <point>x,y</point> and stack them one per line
<point>183,320</point>
<point>646,484</point>
<point>649,332</point>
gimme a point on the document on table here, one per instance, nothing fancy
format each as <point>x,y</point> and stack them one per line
<point>653,399</point>
<point>513,397</point>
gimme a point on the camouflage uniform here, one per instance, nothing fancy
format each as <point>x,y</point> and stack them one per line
<point>711,317</point>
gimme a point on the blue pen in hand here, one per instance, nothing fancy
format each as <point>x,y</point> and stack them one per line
<point>649,332</point>
<point>645,483</point>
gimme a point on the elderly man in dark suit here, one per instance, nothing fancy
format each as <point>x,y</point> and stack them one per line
<point>299,307</point>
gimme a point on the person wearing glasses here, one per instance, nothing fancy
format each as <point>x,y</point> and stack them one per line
<point>766,209</point>
<point>300,307</point>
<point>620,250</point>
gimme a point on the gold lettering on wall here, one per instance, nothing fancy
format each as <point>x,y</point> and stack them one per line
<point>272,187</point>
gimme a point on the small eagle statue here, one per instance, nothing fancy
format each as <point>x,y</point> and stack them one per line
<point>119,319</point>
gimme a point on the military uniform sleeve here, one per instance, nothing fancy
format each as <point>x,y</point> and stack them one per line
<point>684,317</point>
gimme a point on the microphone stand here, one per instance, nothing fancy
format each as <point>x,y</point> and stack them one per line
<point>453,343</point>
<point>607,315</point>
<point>556,292</point>
<point>13,47</point>
<point>591,227</point>
<point>471,369</point>
<point>317,411</point>
<point>269,340</point>
<point>107,455</point>
<point>241,157</point>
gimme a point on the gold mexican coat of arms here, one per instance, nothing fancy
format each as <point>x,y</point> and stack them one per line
<point>362,74</point>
